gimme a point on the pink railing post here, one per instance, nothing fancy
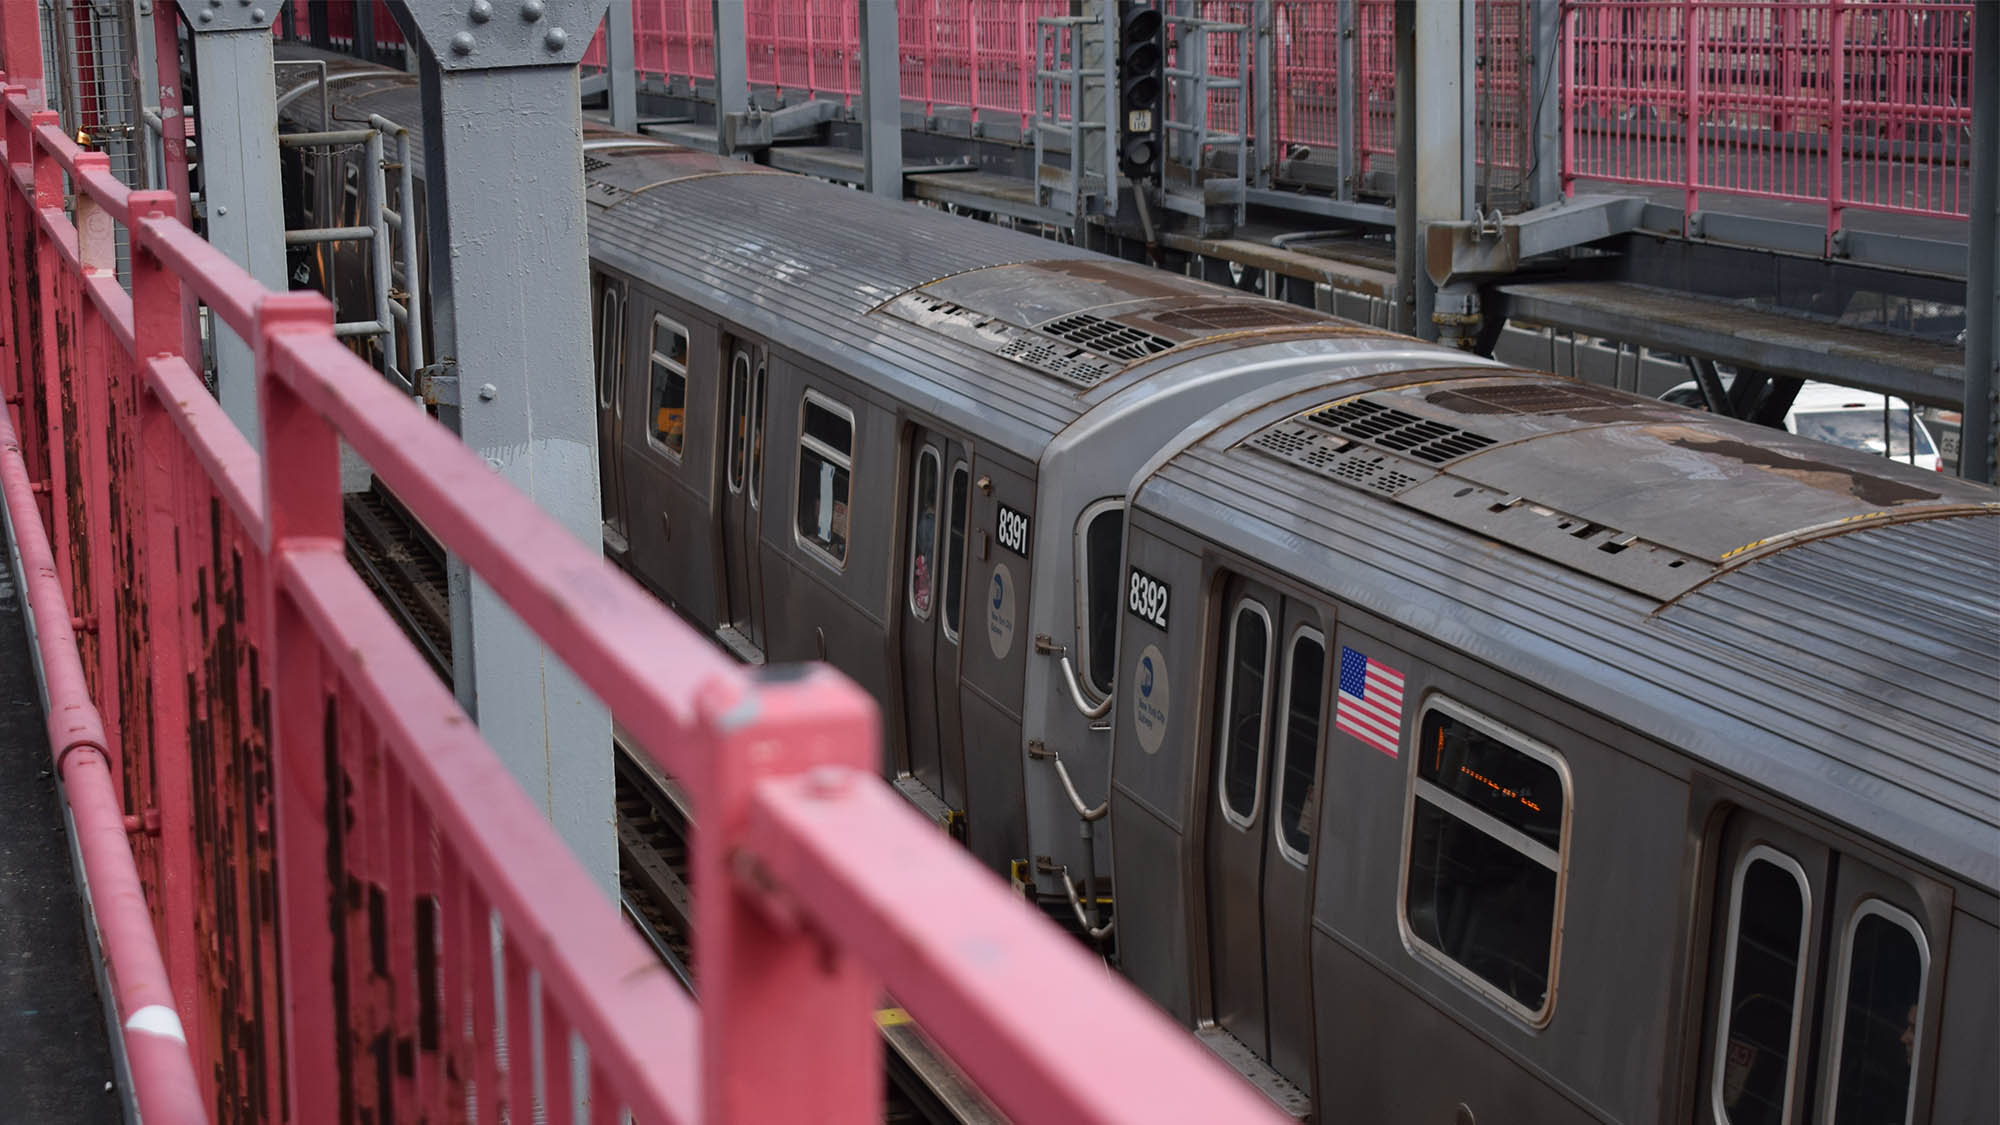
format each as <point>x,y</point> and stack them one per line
<point>1691,76</point>
<point>90,504</point>
<point>44,424</point>
<point>1836,129</point>
<point>788,1032</point>
<point>152,510</point>
<point>302,513</point>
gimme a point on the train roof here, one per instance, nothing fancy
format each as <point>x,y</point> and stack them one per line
<point>1814,620</point>
<point>1004,335</point>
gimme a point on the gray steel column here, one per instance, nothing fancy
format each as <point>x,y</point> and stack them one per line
<point>1347,103</point>
<point>503,134</point>
<point>1545,101</point>
<point>732,69</point>
<point>1412,290</point>
<point>1981,417</point>
<point>242,198</point>
<point>881,100</point>
<point>1261,116</point>
<point>1443,155</point>
<point>146,89</point>
<point>621,73</point>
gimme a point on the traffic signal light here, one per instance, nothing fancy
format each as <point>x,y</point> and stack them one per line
<point>1142,61</point>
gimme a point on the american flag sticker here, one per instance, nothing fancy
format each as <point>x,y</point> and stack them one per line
<point>1371,701</point>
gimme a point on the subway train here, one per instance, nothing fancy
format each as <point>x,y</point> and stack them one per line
<point>1439,741</point>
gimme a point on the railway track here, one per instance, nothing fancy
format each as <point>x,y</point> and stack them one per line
<point>406,570</point>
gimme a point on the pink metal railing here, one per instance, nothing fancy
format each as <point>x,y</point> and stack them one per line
<point>362,915</point>
<point>1846,103</point>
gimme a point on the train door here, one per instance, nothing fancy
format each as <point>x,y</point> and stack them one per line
<point>932,602</point>
<point>610,326</point>
<point>742,502</point>
<point>1270,681</point>
<point>1823,985</point>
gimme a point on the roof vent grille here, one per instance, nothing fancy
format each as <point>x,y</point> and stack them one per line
<point>1339,459</point>
<point>595,164</point>
<point>1107,337</point>
<point>1389,428</point>
<point>1078,366</point>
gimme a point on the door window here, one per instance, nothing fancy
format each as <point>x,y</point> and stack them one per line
<point>1487,821</point>
<point>610,341</point>
<point>1304,712</point>
<point>1243,718</point>
<point>954,547</point>
<point>757,439</point>
<point>923,533</point>
<point>668,431</point>
<point>739,420</point>
<point>1884,961</point>
<point>826,457</point>
<point>1763,982</point>
<point>1097,618</point>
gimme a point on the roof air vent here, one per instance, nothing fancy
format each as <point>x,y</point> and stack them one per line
<point>594,164</point>
<point>1225,318</point>
<point>1534,398</point>
<point>1385,427</point>
<point>1107,337</point>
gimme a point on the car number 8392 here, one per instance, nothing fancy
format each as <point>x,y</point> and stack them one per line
<point>1146,597</point>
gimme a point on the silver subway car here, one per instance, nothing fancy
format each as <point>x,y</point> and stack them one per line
<point>1439,741</point>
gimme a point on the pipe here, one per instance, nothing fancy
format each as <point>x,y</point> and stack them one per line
<point>1076,696</point>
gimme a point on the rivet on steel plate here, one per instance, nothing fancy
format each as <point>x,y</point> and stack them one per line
<point>206,17</point>
<point>481,11</point>
<point>461,44</point>
<point>531,10</point>
<point>258,15</point>
<point>487,391</point>
<point>555,39</point>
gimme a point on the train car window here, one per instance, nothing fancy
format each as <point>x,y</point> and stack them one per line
<point>1097,614</point>
<point>1883,965</point>
<point>757,440</point>
<point>1304,711</point>
<point>1488,817</point>
<point>954,546</point>
<point>826,456</point>
<point>668,431</point>
<point>739,419</point>
<point>1763,981</point>
<point>1243,718</point>
<point>610,322</point>
<point>923,533</point>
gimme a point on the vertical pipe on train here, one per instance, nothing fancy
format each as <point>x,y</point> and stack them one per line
<point>1981,416</point>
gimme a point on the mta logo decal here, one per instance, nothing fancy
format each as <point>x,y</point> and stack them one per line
<point>1146,676</point>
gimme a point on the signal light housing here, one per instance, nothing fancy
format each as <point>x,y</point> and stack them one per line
<point>1142,63</point>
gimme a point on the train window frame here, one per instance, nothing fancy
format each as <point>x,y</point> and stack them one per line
<point>808,444</point>
<point>958,520</point>
<point>1300,859</point>
<point>1451,805</point>
<point>1719,1024</point>
<point>736,447</point>
<point>676,369</point>
<point>611,342</point>
<point>1086,639</point>
<point>757,400</point>
<point>1223,739</point>
<point>1843,980</point>
<point>925,452</point>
